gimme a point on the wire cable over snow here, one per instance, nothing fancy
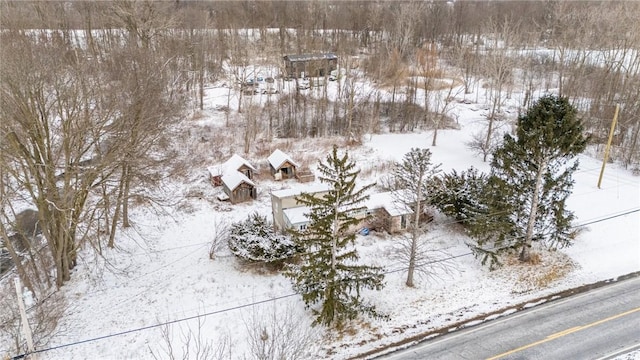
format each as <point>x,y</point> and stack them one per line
<point>281,297</point>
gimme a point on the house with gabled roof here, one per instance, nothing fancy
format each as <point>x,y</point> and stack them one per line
<point>283,201</point>
<point>282,165</point>
<point>236,178</point>
<point>238,187</point>
<point>235,163</point>
<point>385,209</point>
<point>381,208</point>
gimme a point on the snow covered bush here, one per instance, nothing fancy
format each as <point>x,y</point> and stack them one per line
<point>255,240</point>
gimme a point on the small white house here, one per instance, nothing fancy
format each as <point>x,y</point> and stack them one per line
<point>383,207</point>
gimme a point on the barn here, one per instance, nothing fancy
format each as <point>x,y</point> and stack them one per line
<point>310,65</point>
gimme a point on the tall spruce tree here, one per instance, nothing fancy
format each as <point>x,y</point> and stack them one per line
<point>531,178</point>
<point>328,272</point>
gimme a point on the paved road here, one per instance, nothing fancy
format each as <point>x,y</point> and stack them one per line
<point>599,324</point>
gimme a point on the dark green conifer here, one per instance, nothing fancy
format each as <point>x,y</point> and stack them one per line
<point>531,179</point>
<point>328,272</point>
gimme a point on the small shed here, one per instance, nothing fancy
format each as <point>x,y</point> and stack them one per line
<point>238,187</point>
<point>236,163</point>
<point>311,65</point>
<point>281,165</point>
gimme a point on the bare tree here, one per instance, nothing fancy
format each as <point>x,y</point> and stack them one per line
<point>498,65</point>
<point>67,131</point>
<point>426,258</point>
<point>193,344</point>
<point>443,100</point>
<point>427,61</point>
<point>51,128</point>
<point>278,334</point>
<point>410,180</point>
<point>220,236</point>
<point>478,143</point>
<point>43,319</point>
<point>403,28</point>
<point>149,97</point>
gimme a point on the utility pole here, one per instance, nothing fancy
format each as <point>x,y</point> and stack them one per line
<point>606,150</point>
<point>23,315</point>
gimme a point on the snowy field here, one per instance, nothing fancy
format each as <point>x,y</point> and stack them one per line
<point>161,271</point>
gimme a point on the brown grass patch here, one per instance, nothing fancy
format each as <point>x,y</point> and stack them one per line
<point>259,268</point>
<point>197,115</point>
<point>382,167</point>
<point>545,268</point>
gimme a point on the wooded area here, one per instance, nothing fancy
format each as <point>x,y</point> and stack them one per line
<point>93,92</point>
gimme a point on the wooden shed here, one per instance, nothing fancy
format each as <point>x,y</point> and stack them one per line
<point>311,65</point>
<point>236,163</point>
<point>281,165</point>
<point>238,187</point>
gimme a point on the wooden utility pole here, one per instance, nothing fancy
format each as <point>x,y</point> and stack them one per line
<point>606,150</point>
<point>23,315</point>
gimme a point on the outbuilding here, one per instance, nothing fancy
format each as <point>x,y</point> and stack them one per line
<point>238,187</point>
<point>236,163</point>
<point>310,65</point>
<point>281,165</point>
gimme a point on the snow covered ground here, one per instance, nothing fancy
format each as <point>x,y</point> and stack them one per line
<point>161,271</point>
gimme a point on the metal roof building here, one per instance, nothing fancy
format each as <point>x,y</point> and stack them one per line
<point>310,65</point>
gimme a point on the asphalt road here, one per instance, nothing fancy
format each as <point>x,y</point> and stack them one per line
<point>599,324</point>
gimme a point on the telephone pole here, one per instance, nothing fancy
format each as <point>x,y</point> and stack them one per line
<point>23,315</point>
<point>606,150</point>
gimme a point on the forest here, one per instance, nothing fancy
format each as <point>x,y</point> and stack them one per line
<point>94,94</point>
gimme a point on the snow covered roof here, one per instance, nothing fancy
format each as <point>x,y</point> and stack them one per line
<point>278,158</point>
<point>234,163</point>
<point>396,209</point>
<point>314,188</point>
<point>235,178</point>
<point>383,200</point>
<point>387,201</point>
<point>307,57</point>
<point>297,215</point>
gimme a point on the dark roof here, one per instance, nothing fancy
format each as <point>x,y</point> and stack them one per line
<point>307,57</point>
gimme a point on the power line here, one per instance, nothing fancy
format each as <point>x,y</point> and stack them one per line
<point>609,217</point>
<point>155,325</point>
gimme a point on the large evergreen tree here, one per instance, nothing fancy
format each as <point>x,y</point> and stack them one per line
<point>328,272</point>
<point>531,178</point>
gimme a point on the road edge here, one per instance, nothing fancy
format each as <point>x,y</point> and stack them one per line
<point>485,317</point>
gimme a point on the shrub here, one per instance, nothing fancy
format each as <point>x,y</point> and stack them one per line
<point>255,240</point>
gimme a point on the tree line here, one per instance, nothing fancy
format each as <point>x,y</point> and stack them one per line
<point>92,94</point>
